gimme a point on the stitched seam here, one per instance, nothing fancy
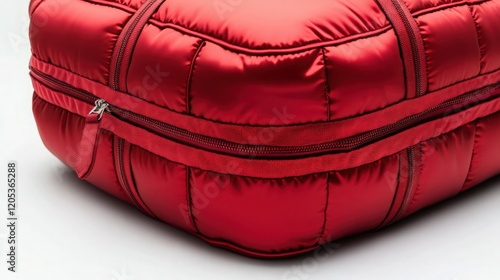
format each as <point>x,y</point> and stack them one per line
<point>189,196</point>
<point>200,46</point>
<point>323,228</point>
<point>267,179</point>
<point>94,152</point>
<point>246,250</point>
<point>36,8</point>
<point>472,156</point>
<point>426,62</point>
<point>129,9</point>
<point>281,51</point>
<point>327,84</point>
<point>133,184</point>
<point>415,180</point>
<point>396,192</point>
<point>115,5</point>
<point>114,153</point>
<point>481,53</point>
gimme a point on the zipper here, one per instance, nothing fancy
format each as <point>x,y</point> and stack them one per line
<point>121,155</point>
<point>410,44</point>
<point>122,53</point>
<point>119,143</point>
<point>186,137</point>
<point>411,186</point>
<point>414,46</point>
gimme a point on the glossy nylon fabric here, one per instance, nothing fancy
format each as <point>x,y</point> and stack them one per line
<point>271,74</point>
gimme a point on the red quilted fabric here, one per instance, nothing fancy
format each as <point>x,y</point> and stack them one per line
<point>271,127</point>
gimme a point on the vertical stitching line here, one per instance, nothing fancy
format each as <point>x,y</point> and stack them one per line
<point>419,38</point>
<point>327,84</point>
<point>326,209</point>
<point>117,159</point>
<point>396,192</point>
<point>133,183</point>
<point>419,158</point>
<point>476,27</point>
<point>472,156</point>
<point>201,44</point>
<point>404,63</point>
<point>189,199</point>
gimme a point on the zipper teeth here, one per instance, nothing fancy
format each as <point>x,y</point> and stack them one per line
<point>413,41</point>
<point>409,188</point>
<point>126,37</point>
<point>338,145</point>
<point>180,134</point>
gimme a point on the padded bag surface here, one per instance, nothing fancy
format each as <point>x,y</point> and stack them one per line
<point>271,127</point>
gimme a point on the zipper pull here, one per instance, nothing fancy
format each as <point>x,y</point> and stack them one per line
<point>90,139</point>
<point>101,106</point>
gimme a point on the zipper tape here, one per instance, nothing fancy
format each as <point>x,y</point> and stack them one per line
<point>122,54</point>
<point>121,155</point>
<point>88,145</point>
<point>401,185</point>
<point>221,146</point>
<point>220,163</point>
<point>411,46</point>
<point>304,134</point>
<point>414,164</point>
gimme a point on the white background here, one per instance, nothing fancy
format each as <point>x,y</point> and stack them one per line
<point>70,230</point>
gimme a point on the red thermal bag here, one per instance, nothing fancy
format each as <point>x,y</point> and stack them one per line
<point>271,127</point>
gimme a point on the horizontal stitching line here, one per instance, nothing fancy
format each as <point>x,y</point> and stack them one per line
<point>270,51</point>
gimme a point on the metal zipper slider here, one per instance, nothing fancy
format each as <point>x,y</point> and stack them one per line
<point>101,106</point>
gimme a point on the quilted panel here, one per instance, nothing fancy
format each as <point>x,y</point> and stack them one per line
<point>238,88</point>
<point>487,19</point>
<point>263,215</point>
<point>162,185</point>
<point>160,69</point>
<point>364,75</point>
<point>451,45</point>
<point>348,212</point>
<point>88,53</point>
<point>56,125</point>
<point>447,154</point>
<point>131,3</point>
